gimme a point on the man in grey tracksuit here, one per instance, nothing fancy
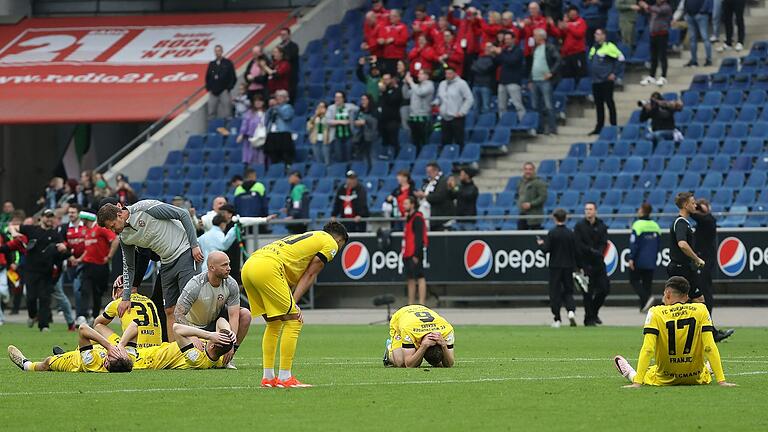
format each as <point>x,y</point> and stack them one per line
<point>166,230</point>
<point>455,102</point>
<point>421,94</point>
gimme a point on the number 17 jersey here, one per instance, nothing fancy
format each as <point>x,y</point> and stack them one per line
<point>411,323</point>
<point>679,346</point>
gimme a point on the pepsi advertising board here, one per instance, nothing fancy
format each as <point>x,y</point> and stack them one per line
<point>513,257</point>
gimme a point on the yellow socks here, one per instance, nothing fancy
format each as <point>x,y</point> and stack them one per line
<point>290,338</point>
<point>269,347</point>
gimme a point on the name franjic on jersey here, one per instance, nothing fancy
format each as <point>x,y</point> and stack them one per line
<point>681,359</point>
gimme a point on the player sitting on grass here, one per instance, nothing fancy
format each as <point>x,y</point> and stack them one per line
<point>418,333</point>
<point>182,353</point>
<point>678,335</point>
<point>89,358</point>
<point>142,311</point>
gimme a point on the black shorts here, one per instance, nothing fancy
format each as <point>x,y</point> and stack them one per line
<point>412,269</point>
<point>223,313</point>
<point>691,275</point>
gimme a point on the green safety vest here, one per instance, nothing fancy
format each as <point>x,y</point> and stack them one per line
<point>257,188</point>
<point>643,226</point>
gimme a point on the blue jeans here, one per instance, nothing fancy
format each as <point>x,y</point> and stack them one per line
<point>482,99</point>
<point>661,135</point>
<point>322,152</point>
<point>697,27</point>
<point>62,301</point>
<point>717,16</point>
<point>541,99</point>
<point>342,149</point>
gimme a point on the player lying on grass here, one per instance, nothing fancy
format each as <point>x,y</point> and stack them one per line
<point>418,333</point>
<point>89,358</point>
<point>678,335</point>
<point>275,277</point>
<point>182,354</point>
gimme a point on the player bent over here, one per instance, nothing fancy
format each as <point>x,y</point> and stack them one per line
<point>275,277</point>
<point>104,358</point>
<point>418,333</point>
<point>678,335</point>
<point>182,354</point>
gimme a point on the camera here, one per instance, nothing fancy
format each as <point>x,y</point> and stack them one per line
<point>643,102</point>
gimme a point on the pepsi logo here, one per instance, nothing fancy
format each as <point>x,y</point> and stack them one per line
<point>732,256</point>
<point>478,259</point>
<point>355,260</point>
<point>610,258</point>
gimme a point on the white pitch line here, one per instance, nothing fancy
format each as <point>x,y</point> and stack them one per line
<point>356,384</point>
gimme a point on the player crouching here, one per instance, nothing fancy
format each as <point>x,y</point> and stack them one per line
<point>89,358</point>
<point>417,333</point>
<point>678,335</point>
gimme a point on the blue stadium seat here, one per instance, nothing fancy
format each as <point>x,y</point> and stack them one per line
<point>470,154</point>
<point>726,114</point>
<point>748,114</point>
<point>634,118</point>
<point>337,170</point>
<point>603,182</point>
<point>580,183</point>
<point>407,152</point>
<point>757,180</point>
<point>734,98</point>
<point>719,82</point>
<point>642,149</point>
<point>646,180</point>
<point>721,163</point>
<point>584,88</point>
<point>590,165</point>
<point>621,148</point>
<point>154,188</point>
<point>194,142</point>
<point>611,165</point>
<point>568,166</point>
<point>734,180</point>
<point>379,169</point>
<point>711,145</point>
<point>699,83</point>
<point>547,167</point>
<point>512,184</point>
<point>690,181</point>
<point>754,147</point>
<point>612,198</point>
<point>450,152</point>
<point>668,180</point>
<point>738,131</point>
<point>275,171</point>
<point>630,132</point>
<point>657,197</point>
<point>569,199</point>
<point>155,173</point>
<point>505,200</point>
<point>715,131</point>
<point>698,164</point>
<point>428,152</point>
<point>486,121</point>
<point>406,165</point>
<point>623,182</point>
<point>478,136</point>
<point>760,129</point>
<point>529,123</point>
<point>484,201</point>
<point>703,115</point>
<point>508,119</point>
<point>749,65</point>
<point>501,137</point>
<point>712,99</point>
<point>578,150</point>
<point>745,197</point>
<point>325,186</point>
<point>633,165</point>
<point>683,117</point>
<point>756,97</point>
<point>608,133</point>
<point>694,131</point>
<point>599,148</point>
<point>712,180</point>
<point>655,164</point>
<point>741,81</point>
<point>591,196</point>
<point>688,147</point>
<point>690,98</point>
<point>214,141</point>
<point>566,86</point>
<point>174,157</point>
<point>559,182</point>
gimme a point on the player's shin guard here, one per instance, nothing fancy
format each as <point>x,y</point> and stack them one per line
<point>290,339</point>
<point>269,345</point>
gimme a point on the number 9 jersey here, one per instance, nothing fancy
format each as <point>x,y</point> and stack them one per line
<point>679,345</point>
<point>411,323</point>
<point>144,313</point>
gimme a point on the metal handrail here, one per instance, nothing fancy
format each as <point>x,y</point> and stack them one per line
<point>149,131</point>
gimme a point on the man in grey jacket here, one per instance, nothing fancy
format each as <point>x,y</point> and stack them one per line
<point>421,95</point>
<point>166,230</point>
<point>545,69</point>
<point>455,100</point>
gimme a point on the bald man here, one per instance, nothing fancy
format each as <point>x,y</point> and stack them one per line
<point>212,296</point>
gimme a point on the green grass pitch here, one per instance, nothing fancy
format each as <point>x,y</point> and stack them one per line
<point>506,378</point>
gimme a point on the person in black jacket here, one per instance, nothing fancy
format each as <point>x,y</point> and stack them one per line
<point>705,241</point>
<point>45,249</point>
<point>511,63</point>
<point>389,121</point>
<point>291,51</point>
<point>351,204</point>
<point>437,196</point>
<point>220,79</point>
<point>662,116</point>
<point>465,193</point>
<point>484,73</point>
<point>561,245</point>
<point>591,240</point>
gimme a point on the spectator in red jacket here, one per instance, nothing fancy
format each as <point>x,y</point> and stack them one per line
<point>572,30</point>
<point>467,36</point>
<point>509,24</point>
<point>392,38</point>
<point>422,56</point>
<point>534,21</point>
<point>489,30</point>
<point>422,23</point>
<point>369,34</point>
<point>415,240</point>
<point>382,14</point>
<point>279,72</point>
<point>436,33</point>
<point>451,54</point>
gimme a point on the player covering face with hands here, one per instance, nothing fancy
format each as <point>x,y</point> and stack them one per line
<point>678,336</point>
<point>417,333</point>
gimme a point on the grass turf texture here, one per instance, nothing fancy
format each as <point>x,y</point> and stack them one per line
<point>506,378</point>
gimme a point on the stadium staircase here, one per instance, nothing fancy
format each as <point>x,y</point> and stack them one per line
<point>496,171</point>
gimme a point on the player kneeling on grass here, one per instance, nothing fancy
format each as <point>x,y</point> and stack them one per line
<point>678,335</point>
<point>89,358</point>
<point>182,354</point>
<point>418,333</point>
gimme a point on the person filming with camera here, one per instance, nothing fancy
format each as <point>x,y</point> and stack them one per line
<point>662,115</point>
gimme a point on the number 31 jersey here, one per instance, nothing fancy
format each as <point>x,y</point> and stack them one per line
<point>144,313</point>
<point>679,346</point>
<point>411,323</point>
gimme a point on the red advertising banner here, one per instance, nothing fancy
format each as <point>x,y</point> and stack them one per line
<point>127,68</point>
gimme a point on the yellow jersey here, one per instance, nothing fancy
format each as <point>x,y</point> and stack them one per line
<point>170,356</point>
<point>411,323</point>
<point>144,313</point>
<point>296,251</point>
<point>87,359</point>
<point>679,347</point>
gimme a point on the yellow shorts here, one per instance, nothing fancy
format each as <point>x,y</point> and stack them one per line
<point>70,361</point>
<point>268,291</point>
<point>654,378</point>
